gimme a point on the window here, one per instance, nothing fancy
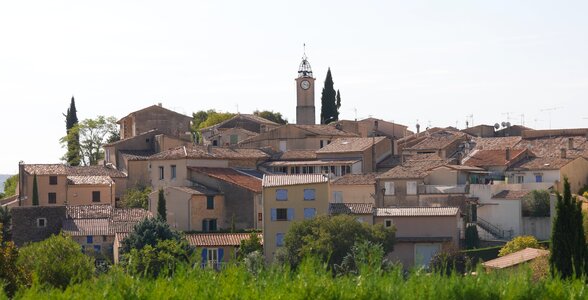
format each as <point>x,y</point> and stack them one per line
<point>52,198</point>
<point>389,188</point>
<point>388,223</point>
<point>161,173</point>
<point>173,172</point>
<point>212,256</point>
<point>97,248</point>
<point>209,202</point>
<point>279,239</point>
<point>309,194</point>
<point>52,180</point>
<point>322,144</point>
<point>520,179</point>
<point>89,239</point>
<point>309,213</point>
<point>96,196</point>
<point>259,217</point>
<point>338,197</point>
<point>538,178</point>
<point>104,238</point>
<point>208,225</point>
<point>41,222</point>
<point>281,195</point>
<point>411,187</point>
<point>282,214</point>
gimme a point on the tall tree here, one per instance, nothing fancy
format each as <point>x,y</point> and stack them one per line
<point>35,190</point>
<point>568,243</point>
<point>161,210</point>
<point>338,103</point>
<point>73,144</point>
<point>93,134</point>
<point>329,104</point>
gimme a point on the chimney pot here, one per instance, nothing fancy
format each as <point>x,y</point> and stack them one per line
<point>563,153</point>
<point>159,104</point>
<point>571,143</point>
<point>507,154</point>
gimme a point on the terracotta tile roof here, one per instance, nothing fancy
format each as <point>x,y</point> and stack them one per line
<point>390,162</point>
<point>89,180</point>
<point>488,158</point>
<point>85,227</point>
<point>357,144</point>
<point>136,154</point>
<point>516,258</point>
<point>201,152</point>
<point>416,211</point>
<point>459,168</point>
<point>541,163</point>
<point>551,146</point>
<point>284,180</point>
<point>423,156</point>
<point>218,239</point>
<point>89,211</point>
<point>324,130</point>
<point>194,190</point>
<point>251,117</point>
<point>154,107</point>
<point>412,169</point>
<point>232,176</point>
<point>511,194</point>
<point>226,131</point>
<point>351,208</point>
<point>297,155</point>
<point>130,214</point>
<point>496,143</point>
<point>136,137</point>
<point>319,162</point>
<point>115,227</point>
<point>46,169</point>
<point>95,171</point>
<point>439,140</point>
<point>356,179</point>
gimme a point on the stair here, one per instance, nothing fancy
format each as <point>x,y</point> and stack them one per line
<point>494,231</point>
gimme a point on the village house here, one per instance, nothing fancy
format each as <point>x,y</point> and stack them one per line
<point>236,129</point>
<point>354,188</point>
<point>362,212</point>
<point>155,117</point>
<point>446,143</point>
<point>374,127</point>
<point>290,198</point>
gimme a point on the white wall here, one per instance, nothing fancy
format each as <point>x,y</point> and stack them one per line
<point>505,214</point>
<point>549,176</point>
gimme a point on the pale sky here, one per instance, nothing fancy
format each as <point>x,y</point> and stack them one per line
<point>432,61</point>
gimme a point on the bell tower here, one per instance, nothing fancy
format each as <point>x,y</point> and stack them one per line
<point>305,114</point>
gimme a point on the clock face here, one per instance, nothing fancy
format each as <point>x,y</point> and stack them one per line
<point>305,84</point>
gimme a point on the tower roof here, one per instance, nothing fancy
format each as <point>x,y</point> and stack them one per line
<point>304,69</point>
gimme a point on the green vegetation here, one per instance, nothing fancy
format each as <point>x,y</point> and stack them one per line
<point>331,239</point>
<point>449,262</point>
<point>11,275</point>
<point>203,119</point>
<point>72,157</point>
<point>250,245</point>
<point>568,243</point>
<point>92,134</point>
<point>330,101</point>
<point>9,187</point>
<point>35,191</point>
<point>137,197</point>
<point>536,204</point>
<point>5,220</point>
<point>472,240</point>
<point>519,243</point>
<point>275,117</point>
<point>161,210</point>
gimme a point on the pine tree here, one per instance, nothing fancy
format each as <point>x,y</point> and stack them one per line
<point>161,210</point>
<point>73,140</point>
<point>568,243</point>
<point>35,191</point>
<point>329,103</point>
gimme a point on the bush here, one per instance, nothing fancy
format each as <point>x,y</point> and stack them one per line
<point>11,275</point>
<point>450,262</point>
<point>254,262</point>
<point>149,232</point>
<point>365,258</point>
<point>136,197</point>
<point>519,243</point>
<point>164,258</point>
<point>536,204</point>
<point>472,240</point>
<point>57,261</point>
<point>250,245</point>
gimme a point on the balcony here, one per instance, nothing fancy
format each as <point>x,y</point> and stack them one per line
<point>442,189</point>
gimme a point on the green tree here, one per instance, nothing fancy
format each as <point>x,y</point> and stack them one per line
<point>11,275</point>
<point>214,118</point>
<point>161,210</point>
<point>448,262</point>
<point>137,197</point>
<point>35,190</point>
<point>275,117</point>
<point>472,240</point>
<point>93,135</point>
<point>161,259</point>
<point>330,103</point>
<point>519,243</point>
<point>73,143</point>
<point>568,243</point>
<point>365,257</point>
<point>5,222</point>
<point>252,244</point>
<point>149,232</point>
<point>10,186</point>
<point>56,261</point>
<point>331,238</point>
<point>536,204</point>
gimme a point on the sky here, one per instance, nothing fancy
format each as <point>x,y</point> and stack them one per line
<point>437,63</point>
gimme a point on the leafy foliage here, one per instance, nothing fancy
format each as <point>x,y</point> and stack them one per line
<point>568,243</point>
<point>164,258</point>
<point>161,210</point>
<point>93,135</point>
<point>5,223</point>
<point>329,102</point>
<point>472,240</point>
<point>35,191</point>
<point>275,117</point>
<point>137,197</point>
<point>56,261</point>
<point>449,262</point>
<point>252,244</point>
<point>10,186</point>
<point>11,275</point>
<point>536,204</point>
<point>331,238</point>
<point>149,232</point>
<point>202,119</point>
<point>365,258</point>
<point>519,243</point>
<point>73,144</point>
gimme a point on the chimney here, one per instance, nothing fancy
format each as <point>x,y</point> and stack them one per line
<point>562,153</point>
<point>159,104</point>
<point>507,156</point>
<point>209,148</point>
<point>571,143</point>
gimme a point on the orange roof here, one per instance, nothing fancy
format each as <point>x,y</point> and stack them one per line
<point>232,176</point>
<point>219,239</point>
<point>516,258</point>
<point>487,158</point>
<point>283,180</point>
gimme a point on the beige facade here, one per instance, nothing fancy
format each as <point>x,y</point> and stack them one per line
<point>162,174</point>
<point>284,203</point>
<point>377,149</point>
<point>101,245</point>
<point>353,193</point>
<point>45,190</point>
<point>296,137</point>
<point>155,116</point>
<point>577,174</point>
<point>90,194</point>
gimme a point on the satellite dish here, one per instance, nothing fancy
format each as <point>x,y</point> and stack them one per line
<point>496,126</point>
<point>507,124</point>
<point>503,124</point>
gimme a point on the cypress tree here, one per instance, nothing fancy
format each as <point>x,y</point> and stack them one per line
<point>329,105</point>
<point>161,210</point>
<point>35,191</point>
<point>73,140</point>
<point>568,244</point>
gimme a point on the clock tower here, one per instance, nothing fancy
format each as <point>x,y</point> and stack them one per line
<point>305,114</point>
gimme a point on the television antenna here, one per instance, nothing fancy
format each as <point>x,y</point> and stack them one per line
<point>508,115</point>
<point>549,111</point>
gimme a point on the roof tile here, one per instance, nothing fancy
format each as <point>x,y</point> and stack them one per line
<point>232,176</point>
<point>284,180</point>
<point>352,144</point>
<point>219,239</point>
<point>351,208</point>
<point>416,211</point>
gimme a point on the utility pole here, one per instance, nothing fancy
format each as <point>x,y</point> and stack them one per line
<point>549,111</point>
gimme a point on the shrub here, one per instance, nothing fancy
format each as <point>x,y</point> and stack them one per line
<point>136,197</point>
<point>519,243</point>
<point>365,257</point>
<point>254,262</point>
<point>11,275</point>
<point>536,204</point>
<point>472,240</point>
<point>163,259</point>
<point>149,232</point>
<point>250,245</point>
<point>448,262</point>
<point>57,261</point>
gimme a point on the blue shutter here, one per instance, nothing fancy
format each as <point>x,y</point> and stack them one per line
<point>203,256</point>
<point>274,214</point>
<point>309,213</point>
<point>290,214</point>
<point>221,253</point>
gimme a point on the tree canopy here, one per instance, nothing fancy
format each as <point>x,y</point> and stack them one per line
<point>93,135</point>
<point>10,186</point>
<point>519,243</point>
<point>275,117</point>
<point>73,142</point>
<point>330,101</point>
<point>137,197</point>
<point>149,232</point>
<point>161,210</point>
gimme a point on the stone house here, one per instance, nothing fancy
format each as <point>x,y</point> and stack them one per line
<point>236,129</point>
<point>154,117</point>
<point>354,188</point>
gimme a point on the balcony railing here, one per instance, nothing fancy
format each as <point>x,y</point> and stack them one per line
<point>443,189</point>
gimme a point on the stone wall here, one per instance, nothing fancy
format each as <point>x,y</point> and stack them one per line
<point>26,227</point>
